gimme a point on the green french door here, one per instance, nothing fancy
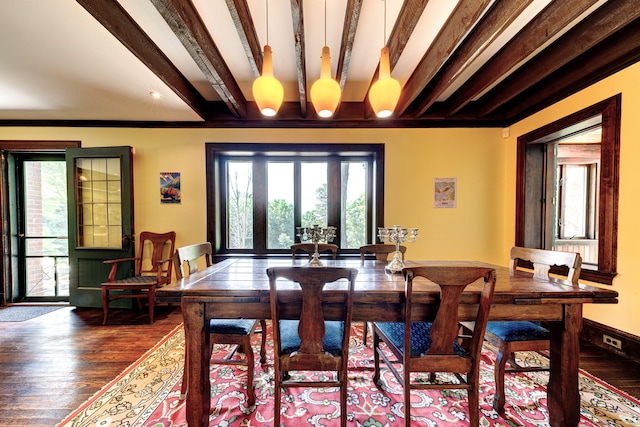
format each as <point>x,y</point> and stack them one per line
<point>100,194</point>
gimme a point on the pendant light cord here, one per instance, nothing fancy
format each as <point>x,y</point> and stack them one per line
<point>384,40</point>
<point>325,22</point>
<point>266,2</point>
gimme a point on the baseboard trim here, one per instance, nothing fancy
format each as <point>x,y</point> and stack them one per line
<point>593,333</point>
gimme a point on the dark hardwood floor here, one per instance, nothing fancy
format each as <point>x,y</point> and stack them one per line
<point>51,364</point>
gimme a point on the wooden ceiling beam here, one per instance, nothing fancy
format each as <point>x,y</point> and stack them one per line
<point>463,18</point>
<point>122,26</point>
<point>501,15</point>
<point>351,18</point>
<point>298,36</point>
<point>550,22</point>
<point>610,56</point>
<point>185,22</point>
<point>241,16</point>
<point>600,25</point>
<point>408,18</point>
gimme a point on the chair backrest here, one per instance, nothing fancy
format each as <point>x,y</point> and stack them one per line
<point>338,306</point>
<point>190,255</point>
<point>155,253</point>
<point>452,281</point>
<point>543,260</point>
<point>309,248</point>
<point>381,251</point>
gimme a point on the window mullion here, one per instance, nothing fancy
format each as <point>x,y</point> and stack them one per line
<point>260,202</point>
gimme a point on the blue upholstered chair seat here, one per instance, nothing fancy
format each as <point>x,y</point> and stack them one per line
<point>420,337</point>
<point>332,342</point>
<point>518,331</point>
<point>231,326</point>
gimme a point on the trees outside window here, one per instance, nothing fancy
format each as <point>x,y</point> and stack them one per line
<point>260,193</point>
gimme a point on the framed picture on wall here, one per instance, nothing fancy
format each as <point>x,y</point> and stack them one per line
<point>169,187</point>
<point>444,193</point>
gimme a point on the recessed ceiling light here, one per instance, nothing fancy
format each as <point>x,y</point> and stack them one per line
<point>155,95</point>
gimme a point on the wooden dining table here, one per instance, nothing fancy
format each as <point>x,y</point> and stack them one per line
<point>239,288</point>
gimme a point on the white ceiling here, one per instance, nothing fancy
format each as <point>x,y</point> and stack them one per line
<point>57,62</point>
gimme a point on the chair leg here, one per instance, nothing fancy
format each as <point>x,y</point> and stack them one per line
<point>364,333</point>
<point>105,304</point>
<point>376,358</point>
<point>152,303</point>
<point>501,361</point>
<point>407,399</point>
<point>343,397</point>
<point>263,344</point>
<point>251,396</point>
<point>473,398</point>
<point>277,396</point>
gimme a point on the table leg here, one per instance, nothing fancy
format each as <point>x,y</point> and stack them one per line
<point>563,397</point>
<point>199,353</point>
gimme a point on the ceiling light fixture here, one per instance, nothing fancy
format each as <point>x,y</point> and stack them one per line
<point>267,90</point>
<point>384,94</point>
<point>325,92</point>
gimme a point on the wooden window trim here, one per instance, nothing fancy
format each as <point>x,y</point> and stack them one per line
<point>610,110</point>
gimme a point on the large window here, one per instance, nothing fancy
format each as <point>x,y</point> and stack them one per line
<point>260,193</point>
<point>567,188</point>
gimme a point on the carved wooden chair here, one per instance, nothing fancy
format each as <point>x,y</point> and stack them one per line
<point>436,346</point>
<point>305,341</point>
<point>512,336</point>
<point>380,252</point>
<point>153,267</point>
<point>236,332</point>
<point>309,249</point>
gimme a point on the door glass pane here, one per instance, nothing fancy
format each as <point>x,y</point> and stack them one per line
<point>99,204</point>
<point>354,212</point>
<point>314,194</point>
<point>45,229</point>
<point>240,205</point>
<point>280,226</point>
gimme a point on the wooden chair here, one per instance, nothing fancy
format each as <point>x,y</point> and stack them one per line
<point>153,267</point>
<point>309,248</point>
<point>236,332</point>
<point>512,336</point>
<point>436,346</point>
<point>381,252</point>
<point>305,340</point>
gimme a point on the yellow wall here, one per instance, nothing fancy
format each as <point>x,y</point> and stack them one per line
<point>414,157</point>
<point>481,227</point>
<point>625,315</point>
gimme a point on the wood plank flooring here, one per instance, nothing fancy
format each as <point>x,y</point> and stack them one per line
<point>51,364</point>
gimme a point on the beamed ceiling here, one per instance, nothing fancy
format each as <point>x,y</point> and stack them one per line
<point>464,63</point>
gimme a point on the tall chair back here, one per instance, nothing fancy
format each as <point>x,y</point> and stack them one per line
<point>306,340</point>
<point>436,346</point>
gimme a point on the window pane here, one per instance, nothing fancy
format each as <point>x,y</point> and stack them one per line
<point>354,215</point>
<point>240,205</point>
<point>280,226</point>
<point>314,194</point>
<point>574,202</point>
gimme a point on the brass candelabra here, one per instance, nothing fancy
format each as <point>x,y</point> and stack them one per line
<point>397,235</point>
<point>315,235</point>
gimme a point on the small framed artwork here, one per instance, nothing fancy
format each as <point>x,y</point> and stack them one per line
<point>169,187</point>
<point>444,193</point>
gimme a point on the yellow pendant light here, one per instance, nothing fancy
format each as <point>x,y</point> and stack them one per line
<point>325,92</point>
<point>384,94</point>
<point>267,90</point>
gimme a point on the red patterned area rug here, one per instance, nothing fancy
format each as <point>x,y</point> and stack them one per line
<point>147,394</point>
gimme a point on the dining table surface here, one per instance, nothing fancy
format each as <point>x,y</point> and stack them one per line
<point>239,288</point>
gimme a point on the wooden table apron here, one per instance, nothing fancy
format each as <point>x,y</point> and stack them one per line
<point>237,288</point>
